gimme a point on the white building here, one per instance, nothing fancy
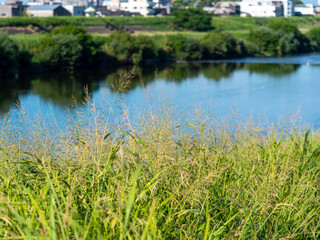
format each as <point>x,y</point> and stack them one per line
<point>288,8</point>
<point>143,7</point>
<point>260,8</point>
<point>267,8</point>
<point>304,10</point>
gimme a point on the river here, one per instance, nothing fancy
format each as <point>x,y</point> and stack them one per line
<point>271,88</point>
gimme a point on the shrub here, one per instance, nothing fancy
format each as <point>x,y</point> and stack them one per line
<point>147,51</point>
<point>288,44</point>
<point>59,51</point>
<point>222,45</point>
<point>193,19</point>
<point>89,47</point>
<point>314,35</point>
<point>183,48</point>
<point>284,26</point>
<point>299,42</point>
<point>265,39</point>
<point>121,45</point>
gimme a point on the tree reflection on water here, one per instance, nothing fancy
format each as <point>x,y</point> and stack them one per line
<point>64,89</point>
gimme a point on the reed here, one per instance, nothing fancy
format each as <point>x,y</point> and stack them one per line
<point>160,176</point>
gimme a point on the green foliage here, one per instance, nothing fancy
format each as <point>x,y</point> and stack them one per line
<point>121,45</point>
<point>162,179</point>
<point>280,38</point>
<point>126,48</point>
<point>60,51</point>
<point>13,55</point>
<point>183,48</point>
<point>284,26</point>
<point>193,19</point>
<point>46,22</point>
<point>265,39</point>
<point>89,47</point>
<point>314,35</point>
<point>222,45</point>
<point>8,54</point>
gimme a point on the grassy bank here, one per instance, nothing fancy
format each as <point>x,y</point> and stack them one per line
<point>157,178</point>
<point>155,22</point>
<point>226,23</point>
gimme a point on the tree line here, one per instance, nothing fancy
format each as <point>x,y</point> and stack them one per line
<point>69,47</point>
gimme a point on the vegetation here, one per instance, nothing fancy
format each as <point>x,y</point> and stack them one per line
<point>194,19</point>
<point>314,35</point>
<point>13,56</point>
<point>157,178</point>
<point>69,46</point>
<point>155,22</point>
<point>280,38</point>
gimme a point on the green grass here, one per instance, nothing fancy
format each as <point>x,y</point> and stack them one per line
<point>30,41</point>
<point>157,178</point>
<point>155,22</point>
<point>248,23</point>
<point>226,23</point>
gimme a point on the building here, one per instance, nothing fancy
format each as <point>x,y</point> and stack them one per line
<point>224,9</point>
<point>304,10</point>
<point>12,9</point>
<point>61,2</point>
<point>47,11</point>
<point>267,8</point>
<point>136,7</point>
<point>75,10</point>
<point>90,12</point>
<point>143,7</point>
<point>262,8</point>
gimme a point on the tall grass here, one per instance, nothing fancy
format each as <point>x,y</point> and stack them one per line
<point>163,176</point>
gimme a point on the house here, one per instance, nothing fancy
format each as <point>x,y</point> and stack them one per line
<point>304,10</point>
<point>224,9</point>
<point>267,8</point>
<point>104,11</point>
<point>143,7</point>
<point>75,10</point>
<point>47,11</point>
<point>12,9</point>
<point>135,7</point>
<point>260,9</point>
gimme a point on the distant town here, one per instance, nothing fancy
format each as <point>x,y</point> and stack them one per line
<point>99,8</point>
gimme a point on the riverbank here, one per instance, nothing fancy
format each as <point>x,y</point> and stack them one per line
<point>157,178</point>
<point>70,47</point>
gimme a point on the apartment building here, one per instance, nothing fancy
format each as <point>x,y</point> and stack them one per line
<point>267,8</point>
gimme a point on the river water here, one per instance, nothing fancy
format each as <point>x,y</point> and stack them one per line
<point>268,87</point>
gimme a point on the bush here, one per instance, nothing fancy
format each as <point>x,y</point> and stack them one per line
<point>314,35</point>
<point>9,53</point>
<point>148,51</point>
<point>182,48</point>
<point>265,39</point>
<point>296,41</point>
<point>89,47</point>
<point>284,26</point>
<point>222,45</point>
<point>121,46</point>
<point>193,19</point>
<point>59,51</point>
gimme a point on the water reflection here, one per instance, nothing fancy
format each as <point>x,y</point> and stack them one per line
<point>63,89</point>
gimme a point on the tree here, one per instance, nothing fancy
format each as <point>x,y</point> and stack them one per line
<point>193,19</point>
<point>59,51</point>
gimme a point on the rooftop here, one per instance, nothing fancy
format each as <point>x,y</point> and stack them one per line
<point>43,7</point>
